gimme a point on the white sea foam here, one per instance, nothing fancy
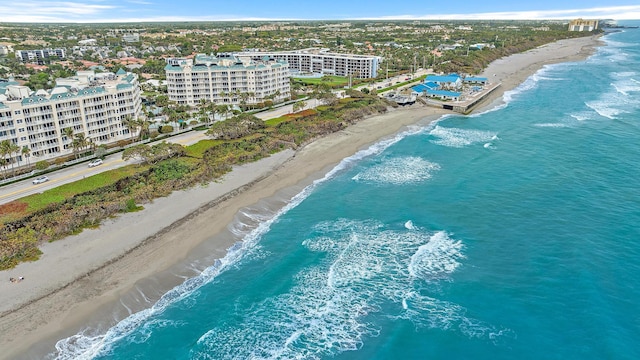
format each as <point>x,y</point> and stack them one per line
<point>626,86</point>
<point>582,116</point>
<point>458,138</point>
<point>437,257</point>
<point>367,269</point>
<point>525,86</point>
<point>551,125</point>
<point>620,98</point>
<point>624,74</point>
<point>397,171</point>
<point>531,82</point>
<point>604,108</point>
<point>409,225</point>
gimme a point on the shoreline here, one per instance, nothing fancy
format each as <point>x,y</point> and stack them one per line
<point>93,271</point>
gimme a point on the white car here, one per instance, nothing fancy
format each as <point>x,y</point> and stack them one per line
<point>40,180</point>
<point>95,162</point>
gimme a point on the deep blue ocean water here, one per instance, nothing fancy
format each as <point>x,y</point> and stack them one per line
<point>512,234</point>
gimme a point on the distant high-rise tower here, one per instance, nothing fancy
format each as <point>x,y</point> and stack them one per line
<point>583,25</point>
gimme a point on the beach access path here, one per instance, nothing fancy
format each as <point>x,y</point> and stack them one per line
<point>79,275</point>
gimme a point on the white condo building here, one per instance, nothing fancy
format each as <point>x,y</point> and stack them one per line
<point>226,79</point>
<point>89,103</point>
<point>39,55</point>
<point>314,60</point>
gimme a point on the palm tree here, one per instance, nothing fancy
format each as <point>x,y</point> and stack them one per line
<point>4,151</point>
<point>79,143</point>
<point>222,109</point>
<point>130,123</point>
<point>243,99</point>
<point>8,147</point>
<point>204,110</point>
<point>68,132</point>
<point>144,129</point>
<point>26,152</point>
<point>91,144</point>
<point>3,164</point>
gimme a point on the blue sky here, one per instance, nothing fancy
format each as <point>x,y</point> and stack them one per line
<point>215,10</point>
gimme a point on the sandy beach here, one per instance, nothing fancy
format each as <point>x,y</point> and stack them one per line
<point>90,278</point>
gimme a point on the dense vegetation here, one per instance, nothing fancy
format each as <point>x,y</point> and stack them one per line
<point>164,168</point>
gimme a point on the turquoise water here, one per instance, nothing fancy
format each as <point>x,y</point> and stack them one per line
<point>512,234</point>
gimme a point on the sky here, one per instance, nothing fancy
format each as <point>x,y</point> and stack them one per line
<point>105,11</point>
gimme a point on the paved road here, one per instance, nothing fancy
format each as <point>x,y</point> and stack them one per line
<point>287,109</point>
<point>77,172</point>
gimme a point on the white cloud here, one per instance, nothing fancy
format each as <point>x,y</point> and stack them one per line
<point>100,11</point>
<point>40,11</point>
<point>614,12</point>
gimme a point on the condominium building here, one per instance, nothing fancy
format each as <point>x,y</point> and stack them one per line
<point>92,104</point>
<point>40,55</point>
<point>583,25</point>
<point>314,60</point>
<point>226,79</point>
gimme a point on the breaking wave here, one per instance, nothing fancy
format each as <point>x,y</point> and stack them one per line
<point>458,138</point>
<point>404,170</point>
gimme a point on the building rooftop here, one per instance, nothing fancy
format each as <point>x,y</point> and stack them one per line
<point>205,62</point>
<point>85,83</point>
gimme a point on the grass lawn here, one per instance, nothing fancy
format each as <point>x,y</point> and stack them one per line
<point>196,150</point>
<point>329,80</point>
<point>275,121</point>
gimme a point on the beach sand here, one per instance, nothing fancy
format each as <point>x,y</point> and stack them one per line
<point>93,278</point>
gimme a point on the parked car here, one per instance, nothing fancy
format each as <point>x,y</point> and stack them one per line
<point>95,162</point>
<point>40,180</point>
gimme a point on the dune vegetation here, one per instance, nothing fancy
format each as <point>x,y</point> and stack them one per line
<point>163,168</point>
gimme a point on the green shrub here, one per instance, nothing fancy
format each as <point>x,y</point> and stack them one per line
<point>170,170</point>
<point>42,165</point>
<point>130,206</point>
<point>165,129</point>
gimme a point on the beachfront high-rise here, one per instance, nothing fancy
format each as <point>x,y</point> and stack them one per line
<point>226,79</point>
<point>88,103</point>
<point>583,25</point>
<point>314,60</point>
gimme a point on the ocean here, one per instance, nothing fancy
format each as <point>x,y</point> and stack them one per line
<point>510,234</point>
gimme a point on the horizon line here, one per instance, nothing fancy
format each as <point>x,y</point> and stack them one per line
<point>187,20</point>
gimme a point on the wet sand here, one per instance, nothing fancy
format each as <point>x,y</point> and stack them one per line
<point>93,278</point>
